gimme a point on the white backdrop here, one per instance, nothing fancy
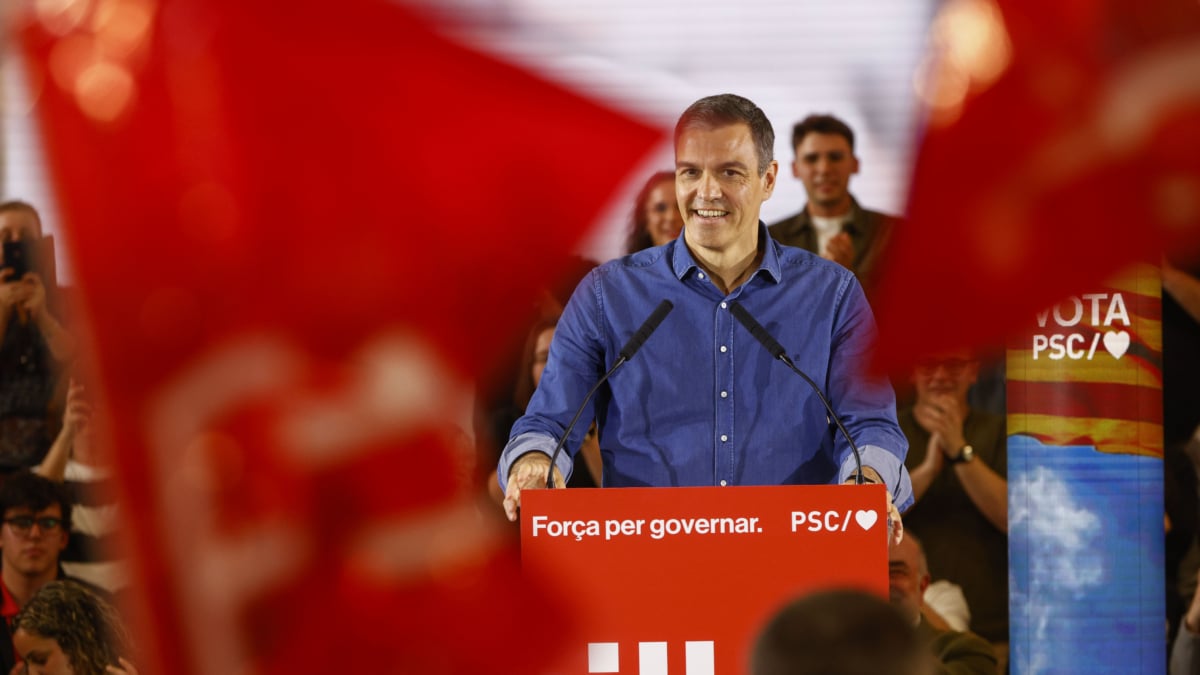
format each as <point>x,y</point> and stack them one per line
<point>854,58</point>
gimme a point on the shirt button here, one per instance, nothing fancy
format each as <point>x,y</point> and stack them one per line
<point>723,305</point>
<point>724,438</point>
<point>724,349</point>
<point>722,483</point>
<point>700,275</point>
<point>724,394</point>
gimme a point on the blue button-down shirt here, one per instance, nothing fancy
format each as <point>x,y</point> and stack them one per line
<point>703,403</point>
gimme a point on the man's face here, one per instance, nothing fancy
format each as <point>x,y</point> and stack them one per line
<point>718,187</point>
<point>906,582</point>
<point>824,163</point>
<point>948,374</point>
<point>18,225</point>
<point>34,551</point>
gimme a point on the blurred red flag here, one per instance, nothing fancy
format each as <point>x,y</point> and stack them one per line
<point>1063,143</point>
<point>299,232</point>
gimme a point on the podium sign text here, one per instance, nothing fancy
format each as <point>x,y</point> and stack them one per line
<point>680,580</point>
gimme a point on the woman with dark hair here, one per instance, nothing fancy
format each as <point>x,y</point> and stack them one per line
<point>587,471</point>
<point>656,218</point>
<point>65,629</point>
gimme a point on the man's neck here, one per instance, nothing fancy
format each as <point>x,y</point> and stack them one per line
<point>728,268</point>
<point>838,210</point>
<point>22,587</point>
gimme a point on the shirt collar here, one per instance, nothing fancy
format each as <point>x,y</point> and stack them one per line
<point>682,262</point>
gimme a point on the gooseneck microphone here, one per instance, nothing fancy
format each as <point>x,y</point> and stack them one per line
<point>777,351</point>
<point>631,347</point>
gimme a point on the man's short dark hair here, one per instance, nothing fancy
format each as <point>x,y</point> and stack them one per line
<point>841,632</point>
<point>27,490</point>
<point>722,110</point>
<point>821,124</point>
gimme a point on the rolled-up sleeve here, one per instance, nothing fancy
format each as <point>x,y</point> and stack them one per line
<point>891,469</point>
<point>525,444</point>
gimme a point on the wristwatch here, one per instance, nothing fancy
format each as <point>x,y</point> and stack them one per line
<point>965,455</point>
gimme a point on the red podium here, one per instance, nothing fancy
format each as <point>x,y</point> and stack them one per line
<point>678,581</point>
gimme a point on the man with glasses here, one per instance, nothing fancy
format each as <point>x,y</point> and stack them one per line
<point>958,461</point>
<point>37,517</point>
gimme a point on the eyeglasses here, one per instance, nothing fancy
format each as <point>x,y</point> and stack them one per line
<point>952,366</point>
<point>23,524</point>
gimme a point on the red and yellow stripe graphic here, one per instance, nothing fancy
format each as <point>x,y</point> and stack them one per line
<point>1110,399</point>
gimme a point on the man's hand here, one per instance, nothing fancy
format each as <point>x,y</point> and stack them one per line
<point>78,411</point>
<point>943,416</point>
<point>840,249</point>
<point>12,292</point>
<point>529,471</point>
<point>35,301</point>
<point>894,520</point>
<point>893,512</point>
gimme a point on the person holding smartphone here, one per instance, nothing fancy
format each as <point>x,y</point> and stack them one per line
<point>34,346</point>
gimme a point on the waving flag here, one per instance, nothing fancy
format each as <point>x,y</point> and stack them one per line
<point>299,233</point>
<point>1061,147</point>
<point>1090,374</point>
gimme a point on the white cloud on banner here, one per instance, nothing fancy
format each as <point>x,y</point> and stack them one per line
<point>1064,556</point>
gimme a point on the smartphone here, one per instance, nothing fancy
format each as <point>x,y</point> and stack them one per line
<point>17,258</point>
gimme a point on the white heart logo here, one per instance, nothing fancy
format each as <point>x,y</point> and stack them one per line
<point>1116,343</point>
<point>866,519</point>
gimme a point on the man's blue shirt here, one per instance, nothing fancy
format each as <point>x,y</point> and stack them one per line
<point>703,403</point>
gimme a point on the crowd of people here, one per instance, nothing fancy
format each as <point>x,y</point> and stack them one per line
<point>701,403</point>
<point>61,574</point>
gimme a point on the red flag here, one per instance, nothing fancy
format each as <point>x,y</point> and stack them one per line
<point>299,233</point>
<point>1063,143</point>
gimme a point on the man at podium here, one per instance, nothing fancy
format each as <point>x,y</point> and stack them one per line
<point>701,401</point>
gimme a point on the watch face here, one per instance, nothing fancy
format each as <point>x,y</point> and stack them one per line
<point>968,453</point>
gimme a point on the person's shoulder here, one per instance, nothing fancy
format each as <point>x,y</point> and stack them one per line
<point>782,223</point>
<point>952,645</point>
<point>879,217</point>
<point>788,229</point>
<point>100,592</point>
<point>656,260</point>
<point>796,257</point>
<point>644,258</point>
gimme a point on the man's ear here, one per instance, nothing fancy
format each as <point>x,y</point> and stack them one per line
<point>853,164</point>
<point>768,178</point>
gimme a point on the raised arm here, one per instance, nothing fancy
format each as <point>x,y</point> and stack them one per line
<point>75,420</point>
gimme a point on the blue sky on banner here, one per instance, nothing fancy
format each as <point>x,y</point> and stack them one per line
<point>1085,560</point>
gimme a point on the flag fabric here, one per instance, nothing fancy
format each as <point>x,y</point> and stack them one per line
<point>1085,483</point>
<point>1090,373</point>
<point>299,234</point>
<point>1062,144</point>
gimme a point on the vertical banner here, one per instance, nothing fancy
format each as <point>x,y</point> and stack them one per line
<point>1085,483</point>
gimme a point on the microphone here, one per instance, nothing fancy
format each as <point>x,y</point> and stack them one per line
<point>631,347</point>
<point>777,351</point>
